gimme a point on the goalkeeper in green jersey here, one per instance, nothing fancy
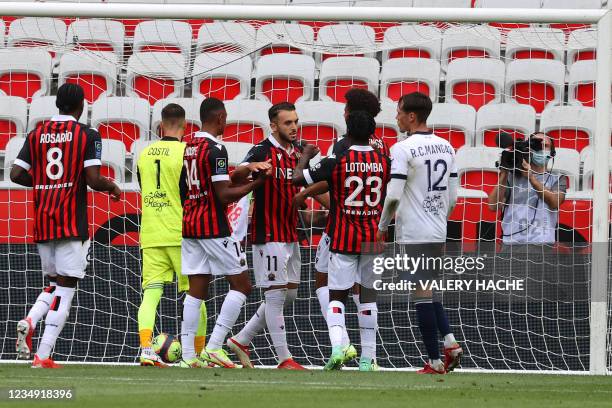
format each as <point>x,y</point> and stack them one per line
<point>161,176</point>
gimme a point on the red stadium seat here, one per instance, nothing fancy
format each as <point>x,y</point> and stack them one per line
<point>247,121</point>
<point>476,167</point>
<point>285,78</point>
<point>401,76</point>
<point>517,120</point>
<point>155,75</point>
<point>338,75</point>
<point>538,83</point>
<point>13,115</point>
<point>412,41</point>
<point>25,73</point>
<point>321,123</point>
<point>571,127</point>
<point>475,81</point>
<point>453,122</point>
<point>581,83</point>
<point>121,118</point>
<point>95,72</point>
<point>225,76</point>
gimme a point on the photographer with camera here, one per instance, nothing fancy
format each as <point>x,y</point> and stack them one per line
<point>529,194</point>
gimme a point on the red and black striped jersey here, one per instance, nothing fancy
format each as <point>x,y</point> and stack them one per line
<point>56,154</point>
<point>274,216</point>
<point>342,145</point>
<point>204,216</point>
<point>357,182</point>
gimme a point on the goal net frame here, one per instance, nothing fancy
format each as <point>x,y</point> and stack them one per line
<point>599,324</point>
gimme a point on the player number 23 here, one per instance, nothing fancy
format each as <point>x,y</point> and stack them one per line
<point>372,199</point>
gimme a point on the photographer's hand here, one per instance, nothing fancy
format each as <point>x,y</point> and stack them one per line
<point>499,191</point>
<point>551,199</point>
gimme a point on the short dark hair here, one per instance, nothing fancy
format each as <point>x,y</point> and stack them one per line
<point>69,97</point>
<point>417,103</point>
<point>209,108</point>
<point>360,125</point>
<point>275,109</point>
<point>172,113</point>
<point>358,99</point>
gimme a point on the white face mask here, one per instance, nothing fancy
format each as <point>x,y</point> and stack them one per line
<point>541,157</point>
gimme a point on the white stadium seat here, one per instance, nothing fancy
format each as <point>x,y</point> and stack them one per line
<point>95,71</point>
<point>413,41</point>
<point>13,116</point>
<point>226,37</point>
<point>567,162</point>
<point>43,108</point>
<point>121,118</point>
<point>400,76</point>
<point>581,83</point>
<point>475,81</point>
<point>247,121</point>
<point>25,72</point>
<point>98,35</point>
<point>537,82</point>
<point>470,41</point>
<point>570,126</point>
<point>535,42</point>
<point>476,167</point>
<point>236,152</point>
<point>163,35</point>
<point>29,31</point>
<point>321,122</point>
<point>155,75</point>
<point>338,75</point>
<point>192,113</point>
<point>13,147</point>
<point>285,77</point>
<point>277,37</point>
<point>453,122</point>
<point>506,117</point>
<point>386,123</point>
<point>113,156</point>
<point>587,157</point>
<point>581,45</point>
<point>223,75</point>
<point>347,38</point>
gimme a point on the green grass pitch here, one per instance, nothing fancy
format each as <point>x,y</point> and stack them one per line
<point>126,386</point>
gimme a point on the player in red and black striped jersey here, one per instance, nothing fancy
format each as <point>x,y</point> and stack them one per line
<point>208,248</point>
<point>357,181</point>
<point>276,252</point>
<point>59,159</point>
<point>356,100</point>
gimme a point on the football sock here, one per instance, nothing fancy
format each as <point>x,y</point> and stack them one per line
<point>200,337</point>
<point>427,325</point>
<point>147,312</point>
<point>56,319</point>
<point>255,325</point>
<point>355,297</point>
<point>227,318</point>
<point>335,322</point>
<point>323,296</point>
<point>189,326</point>
<point>368,320</point>
<point>275,320</point>
<point>41,306</point>
<point>449,340</point>
<point>441,319</point>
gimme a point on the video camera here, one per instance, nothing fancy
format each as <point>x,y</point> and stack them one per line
<point>515,151</point>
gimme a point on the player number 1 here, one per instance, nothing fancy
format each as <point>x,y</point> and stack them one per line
<point>158,164</point>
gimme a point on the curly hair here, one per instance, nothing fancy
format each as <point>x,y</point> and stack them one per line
<point>358,99</point>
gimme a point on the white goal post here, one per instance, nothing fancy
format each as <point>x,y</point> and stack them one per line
<point>599,296</point>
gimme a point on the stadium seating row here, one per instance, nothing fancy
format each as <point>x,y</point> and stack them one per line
<point>398,40</point>
<point>27,73</point>
<point>129,120</point>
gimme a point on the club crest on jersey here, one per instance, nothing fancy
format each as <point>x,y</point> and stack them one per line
<point>221,165</point>
<point>225,242</point>
<point>279,156</point>
<point>316,166</point>
<point>271,277</point>
<point>261,252</point>
<point>98,148</point>
<point>242,261</point>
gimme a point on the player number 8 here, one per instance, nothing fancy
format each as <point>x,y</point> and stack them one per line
<point>54,159</point>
